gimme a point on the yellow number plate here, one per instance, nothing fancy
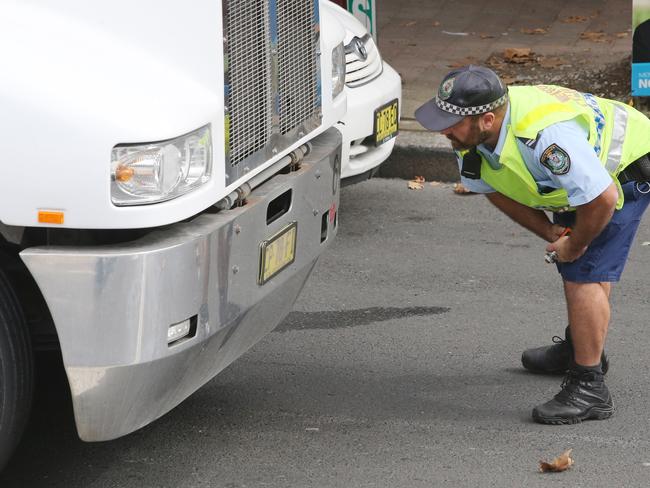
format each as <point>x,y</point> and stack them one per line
<point>277,253</point>
<point>386,121</point>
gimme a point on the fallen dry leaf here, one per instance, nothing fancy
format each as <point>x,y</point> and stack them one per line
<point>436,183</point>
<point>621,35</point>
<point>574,19</point>
<point>517,54</point>
<point>536,31</point>
<point>409,24</point>
<point>551,62</point>
<point>495,62</point>
<point>462,62</point>
<point>459,189</point>
<point>599,36</point>
<point>435,23</point>
<point>486,36</point>
<point>509,80</point>
<point>417,183</point>
<point>561,463</point>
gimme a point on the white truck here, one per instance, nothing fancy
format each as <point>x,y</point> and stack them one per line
<point>170,175</point>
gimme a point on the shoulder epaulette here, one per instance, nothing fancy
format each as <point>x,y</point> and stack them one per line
<point>531,143</point>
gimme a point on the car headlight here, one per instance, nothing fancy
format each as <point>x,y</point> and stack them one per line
<point>159,171</point>
<point>338,70</point>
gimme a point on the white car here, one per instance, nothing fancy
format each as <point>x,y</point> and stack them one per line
<point>374,93</point>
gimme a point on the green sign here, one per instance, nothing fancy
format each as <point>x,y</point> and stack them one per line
<point>364,11</point>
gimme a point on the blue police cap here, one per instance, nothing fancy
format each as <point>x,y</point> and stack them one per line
<point>470,90</point>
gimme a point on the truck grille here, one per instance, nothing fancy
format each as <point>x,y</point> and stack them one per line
<point>296,62</point>
<point>271,77</point>
<point>250,78</point>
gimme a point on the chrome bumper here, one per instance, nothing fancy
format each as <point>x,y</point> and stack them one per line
<point>113,305</point>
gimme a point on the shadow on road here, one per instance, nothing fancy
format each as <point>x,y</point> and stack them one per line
<point>352,318</point>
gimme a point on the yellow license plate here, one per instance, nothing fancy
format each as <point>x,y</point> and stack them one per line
<point>277,253</point>
<point>386,122</point>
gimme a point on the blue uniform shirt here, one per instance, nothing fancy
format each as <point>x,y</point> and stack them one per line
<point>585,179</point>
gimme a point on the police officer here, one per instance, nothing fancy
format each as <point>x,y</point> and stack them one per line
<point>532,149</point>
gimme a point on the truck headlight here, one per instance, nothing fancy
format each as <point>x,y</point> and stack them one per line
<point>338,70</point>
<point>159,171</point>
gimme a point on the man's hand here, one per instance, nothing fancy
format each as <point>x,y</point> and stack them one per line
<point>555,231</point>
<point>591,219</point>
<point>566,252</point>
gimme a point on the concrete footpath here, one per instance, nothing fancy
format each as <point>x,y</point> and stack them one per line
<point>424,39</point>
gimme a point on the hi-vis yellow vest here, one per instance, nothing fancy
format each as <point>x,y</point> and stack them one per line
<point>618,133</point>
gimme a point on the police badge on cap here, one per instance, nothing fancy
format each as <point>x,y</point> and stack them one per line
<point>445,89</point>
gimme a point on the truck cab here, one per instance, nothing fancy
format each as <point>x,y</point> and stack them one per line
<point>170,177</point>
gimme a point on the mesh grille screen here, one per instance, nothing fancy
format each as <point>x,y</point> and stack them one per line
<point>296,62</point>
<point>249,60</point>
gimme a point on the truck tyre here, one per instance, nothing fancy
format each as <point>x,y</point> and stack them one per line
<point>16,371</point>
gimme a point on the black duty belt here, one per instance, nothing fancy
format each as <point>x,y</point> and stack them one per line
<point>639,170</point>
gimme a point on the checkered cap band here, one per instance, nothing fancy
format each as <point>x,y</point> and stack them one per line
<point>481,109</point>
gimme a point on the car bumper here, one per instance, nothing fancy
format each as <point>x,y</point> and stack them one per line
<point>358,154</point>
<point>113,305</point>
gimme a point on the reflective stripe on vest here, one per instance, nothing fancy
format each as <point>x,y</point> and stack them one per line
<point>618,137</point>
<point>599,119</point>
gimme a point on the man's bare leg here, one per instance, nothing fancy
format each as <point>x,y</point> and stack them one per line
<point>589,314</point>
<point>584,394</point>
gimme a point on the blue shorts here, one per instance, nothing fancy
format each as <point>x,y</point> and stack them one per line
<point>605,257</point>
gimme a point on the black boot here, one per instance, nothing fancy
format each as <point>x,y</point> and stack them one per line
<point>555,359</point>
<point>584,396</point>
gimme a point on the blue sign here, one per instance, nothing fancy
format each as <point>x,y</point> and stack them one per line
<point>641,79</point>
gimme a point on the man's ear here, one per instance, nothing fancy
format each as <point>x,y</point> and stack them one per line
<point>487,120</point>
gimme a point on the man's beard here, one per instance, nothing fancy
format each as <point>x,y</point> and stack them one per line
<point>475,137</point>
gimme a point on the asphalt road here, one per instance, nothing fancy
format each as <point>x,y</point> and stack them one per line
<point>399,368</point>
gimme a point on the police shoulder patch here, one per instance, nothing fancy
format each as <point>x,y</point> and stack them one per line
<point>556,159</point>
